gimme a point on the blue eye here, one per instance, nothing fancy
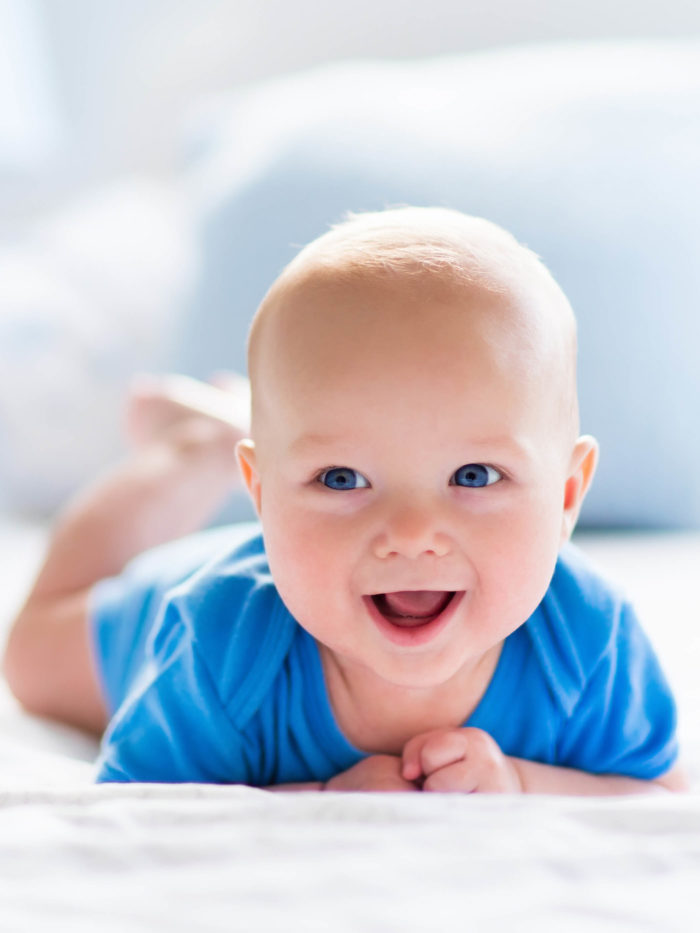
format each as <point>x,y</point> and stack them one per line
<point>343,478</point>
<point>475,475</point>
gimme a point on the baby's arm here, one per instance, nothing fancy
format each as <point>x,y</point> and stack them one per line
<point>376,773</point>
<point>537,778</point>
<point>468,760</point>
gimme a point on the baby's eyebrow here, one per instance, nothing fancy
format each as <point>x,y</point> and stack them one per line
<point>500,450</point>
<point>504,442</point>
<point>309,441</point>
<point>482,445</point>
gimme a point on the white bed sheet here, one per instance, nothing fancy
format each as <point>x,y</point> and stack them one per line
<point>75,856</point>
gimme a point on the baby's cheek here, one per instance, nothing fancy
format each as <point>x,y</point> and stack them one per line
<point>303,560</point>
<point>518,560</point>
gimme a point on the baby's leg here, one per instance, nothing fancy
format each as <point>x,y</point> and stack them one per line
<point>170,486</point>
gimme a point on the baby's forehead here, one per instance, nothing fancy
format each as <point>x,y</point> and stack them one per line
<point>339,292</point>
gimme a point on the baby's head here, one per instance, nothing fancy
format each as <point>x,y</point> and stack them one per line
<point>414,432</point>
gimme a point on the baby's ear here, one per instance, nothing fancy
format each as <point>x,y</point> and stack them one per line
<point>245,453</point>
<point>584,460</point>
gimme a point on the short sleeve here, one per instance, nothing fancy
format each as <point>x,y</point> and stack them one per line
<point>124,608</point>
<point>172,727</point>
<point>625,719</point>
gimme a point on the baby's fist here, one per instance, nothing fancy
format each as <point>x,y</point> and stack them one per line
<point>464,761</point>
<point>375,773</point>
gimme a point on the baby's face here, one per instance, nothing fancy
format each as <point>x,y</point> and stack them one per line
<point>410,471</point>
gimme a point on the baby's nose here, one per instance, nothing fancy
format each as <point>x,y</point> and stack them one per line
<point>411,532</point>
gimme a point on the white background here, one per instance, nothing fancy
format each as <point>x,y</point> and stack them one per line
<point>113,81</point>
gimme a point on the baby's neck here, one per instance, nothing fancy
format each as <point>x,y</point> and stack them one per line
<point>378,717</point>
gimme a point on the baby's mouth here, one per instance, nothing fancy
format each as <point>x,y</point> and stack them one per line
<point>411,608</point>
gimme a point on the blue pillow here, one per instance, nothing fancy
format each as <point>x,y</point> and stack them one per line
<point>588,153</point>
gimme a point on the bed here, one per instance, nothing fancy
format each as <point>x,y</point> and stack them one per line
<point>78,856</point>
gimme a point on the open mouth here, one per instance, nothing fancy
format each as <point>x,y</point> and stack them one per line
<point>412,608</point>
<point>413,618</point>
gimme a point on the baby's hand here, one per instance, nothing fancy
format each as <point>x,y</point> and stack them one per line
<point>376,773</point>
<point>464,761</point>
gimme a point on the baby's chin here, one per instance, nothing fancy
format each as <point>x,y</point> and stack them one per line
<point>422,675</point>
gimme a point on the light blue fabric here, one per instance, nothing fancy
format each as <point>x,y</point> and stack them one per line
<point>216,682</point>
<point>588,153</point>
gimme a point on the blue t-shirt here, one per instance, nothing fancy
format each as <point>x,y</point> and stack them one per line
<point>211,679</point>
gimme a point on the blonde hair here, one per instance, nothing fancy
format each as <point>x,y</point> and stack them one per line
<point>414,240</point>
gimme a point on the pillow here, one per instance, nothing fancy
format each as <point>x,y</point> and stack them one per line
<point>86,299</point>
<point>588,153</point>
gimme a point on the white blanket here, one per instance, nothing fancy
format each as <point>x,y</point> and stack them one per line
<point>192,857</point>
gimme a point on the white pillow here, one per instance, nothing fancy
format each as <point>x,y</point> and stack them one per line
<point>87,298</point>
<point>588,153</point>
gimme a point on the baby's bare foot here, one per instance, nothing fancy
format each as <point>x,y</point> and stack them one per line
<point>158,403</point>
<point>184,475</point>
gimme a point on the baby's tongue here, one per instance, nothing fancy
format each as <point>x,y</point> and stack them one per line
<point>417,603</point>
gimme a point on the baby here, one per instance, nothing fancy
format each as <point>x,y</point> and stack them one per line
<point>411,616</point>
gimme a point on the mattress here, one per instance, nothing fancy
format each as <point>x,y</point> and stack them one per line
<point>76,856</point>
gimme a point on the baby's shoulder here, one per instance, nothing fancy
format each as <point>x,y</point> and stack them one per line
<point>583,590</point>
<point>580,622</point>
<point>230,616</point>
<point>227,585</point>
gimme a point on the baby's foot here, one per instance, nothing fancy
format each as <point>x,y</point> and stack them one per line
<point>158,403</point>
